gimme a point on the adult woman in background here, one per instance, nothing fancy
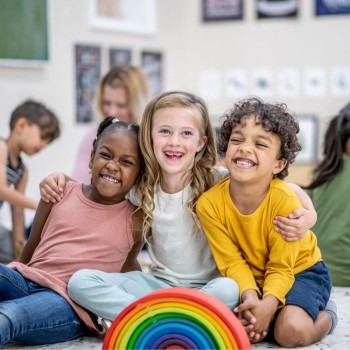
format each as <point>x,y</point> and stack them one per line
<point>329,191</point>
<point>122,93</point>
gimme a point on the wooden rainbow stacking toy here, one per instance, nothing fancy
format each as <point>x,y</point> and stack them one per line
<point>176,318</point>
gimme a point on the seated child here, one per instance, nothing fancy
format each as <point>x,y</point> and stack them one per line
<point>32,127</point>
<point>92,227</point>
<point>284,286</point>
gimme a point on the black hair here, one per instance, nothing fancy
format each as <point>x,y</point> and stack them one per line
<point>336,136</point>
<point>274,118</point>
<point>37,113</point>
<point>110,124</point>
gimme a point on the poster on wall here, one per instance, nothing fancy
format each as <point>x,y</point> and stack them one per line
<point>218,10</point>
<point>308,139</point>
<point>88,71</point>
<point>119,57</point>
<point>288,81</point>
<point>210,84</point>
<point>236,83</point>
<point>120,16</point>
<point>340,81</point>
<point>314,82</point>
<point>262,82</point>
<point>276,8</point>
<point>152,66</point>
<point>332,7</point>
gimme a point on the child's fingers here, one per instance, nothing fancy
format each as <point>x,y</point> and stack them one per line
<point>48,194</point>
<point>297,213</point>
<point>243,307</point>
<point>285,224</point>
<point>61,182</point>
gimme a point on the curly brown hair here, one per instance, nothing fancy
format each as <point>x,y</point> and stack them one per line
<point>274,118</point>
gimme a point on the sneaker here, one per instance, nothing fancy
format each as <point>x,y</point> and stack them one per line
<point>331,308</point>
<point>103,325</point>
<point>106,324</point>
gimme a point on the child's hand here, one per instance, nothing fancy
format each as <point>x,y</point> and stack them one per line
<point>51,187</point>
<point>246,316</point>
<point>262,312</point>
<point>295,226</point>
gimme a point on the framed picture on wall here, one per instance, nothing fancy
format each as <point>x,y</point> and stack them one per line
<point>334,7</point>
<point>276,9</point>
<point>152,66</point>
<point>119,57</point>
<point>308,139</point>
<point>125,16</point>
<point>218,10</point>
<point>88,71</point>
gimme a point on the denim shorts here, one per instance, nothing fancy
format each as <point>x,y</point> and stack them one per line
<point>311,289</point>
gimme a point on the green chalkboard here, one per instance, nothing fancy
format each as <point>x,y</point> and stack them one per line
<point>24,30</point>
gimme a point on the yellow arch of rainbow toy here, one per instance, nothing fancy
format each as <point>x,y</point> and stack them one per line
<point>209,313</point>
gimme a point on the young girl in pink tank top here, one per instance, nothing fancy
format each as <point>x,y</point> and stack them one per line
<point>92,227</point>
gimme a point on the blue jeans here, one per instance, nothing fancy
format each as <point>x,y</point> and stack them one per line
<point>31,314</point>
<point>107,294</point>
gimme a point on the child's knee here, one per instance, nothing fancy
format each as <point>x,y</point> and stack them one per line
<point>290,333</point>
<point>227,291</point>
<point>79,281</point>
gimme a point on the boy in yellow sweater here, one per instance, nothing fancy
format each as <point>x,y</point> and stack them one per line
<point>284,286</point>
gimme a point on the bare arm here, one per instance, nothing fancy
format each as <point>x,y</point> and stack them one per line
<point>18,230</point>
<point>40,218</point>
<point>18,224</point>
<point>8,194</point>
<point>51,187</point>
<point>131,262</point>
<point>300,220</point>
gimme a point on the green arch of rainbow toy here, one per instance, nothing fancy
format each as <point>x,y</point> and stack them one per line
<point>176,318</point>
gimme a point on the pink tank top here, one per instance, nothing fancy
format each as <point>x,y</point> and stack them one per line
<point>79,234</point>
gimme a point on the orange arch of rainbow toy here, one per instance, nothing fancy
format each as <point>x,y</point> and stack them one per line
<point>176,318</point>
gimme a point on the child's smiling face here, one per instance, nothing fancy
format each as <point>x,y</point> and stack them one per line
<point>253,153</point>
<point>176,135</point>
<point>115,166</point>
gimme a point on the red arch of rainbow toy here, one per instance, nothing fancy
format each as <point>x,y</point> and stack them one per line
<point>176,318</point>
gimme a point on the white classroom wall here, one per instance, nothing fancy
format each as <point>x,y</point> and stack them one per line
<point>193,52</point>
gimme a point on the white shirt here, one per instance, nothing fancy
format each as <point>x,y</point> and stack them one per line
<point>179,253</point>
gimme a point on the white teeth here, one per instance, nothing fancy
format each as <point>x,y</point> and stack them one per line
<point>173,154</point>
<point>111,179</point>
<point>245,163</point>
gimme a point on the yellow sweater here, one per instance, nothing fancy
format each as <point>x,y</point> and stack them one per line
<point>247,249</point>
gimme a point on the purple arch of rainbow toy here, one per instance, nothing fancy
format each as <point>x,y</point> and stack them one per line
<point>176,318</point>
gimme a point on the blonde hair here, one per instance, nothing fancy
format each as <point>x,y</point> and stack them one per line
<point>135,84</point>
<point>200,178</point>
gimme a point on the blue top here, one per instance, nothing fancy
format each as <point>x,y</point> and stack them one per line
<point>13,174</point>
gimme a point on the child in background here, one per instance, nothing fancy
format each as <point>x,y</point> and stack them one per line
<point>32,128</point>
<point>94,226</point>
<point>178,144</point>
<point>330,191</point>
<point>282,282</point>
<point>122,93</point>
